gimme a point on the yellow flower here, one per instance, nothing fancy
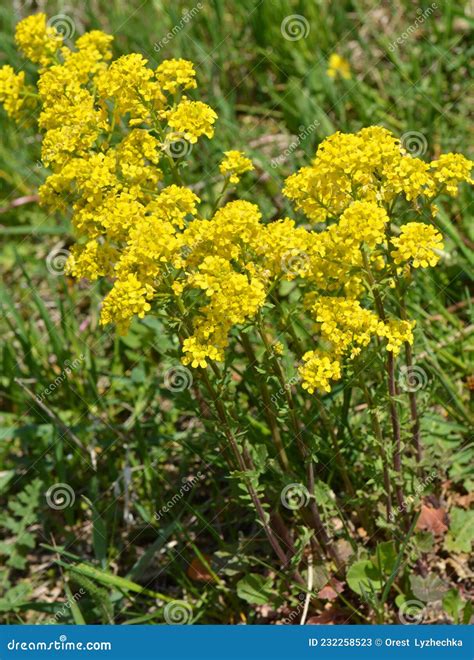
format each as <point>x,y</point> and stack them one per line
<point>234,164</point>
<point>450,170</point>
<point>338,65</point>
<point>345,323</point>
<point>417,243</point>
<point>233,233</point>
<point>318,370</point>
<point>127,298</point>
<point>191,119</point>
<point>38,41</point>
<point>177,74</point>
<point>368,166</point>
<point>174,204</point>
<point>232,299</point>
<point>363,222</point>
<point>12,88</point>
<point>397,333</point>
<point>91,260</point>
<point>130,83</point>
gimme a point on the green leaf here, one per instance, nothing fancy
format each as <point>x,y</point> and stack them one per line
<point>99,534</point>
<point>423,541</point>
<point>429,588</point>
<point>467,613</point>
<point>453,604</point>
<point>5,477</point>
<point>255,589</point>
<point>386,557</point>
<point>75,610</point>
<point>364,578</point>
<point>461,531</point>
<point>111,580</point>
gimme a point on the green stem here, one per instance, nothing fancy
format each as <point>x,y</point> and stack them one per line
<point>392,390</point>
<point>380,441</point>
<point>267,405</point>
<point>416,433</point>
<point>318,526</point>
<point>337,449</point>
<point>222,416</point>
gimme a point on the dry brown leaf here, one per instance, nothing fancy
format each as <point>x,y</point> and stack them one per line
<point>432,520</point>
<point>331,590</point>
<point>344,550</point>
<point>331,616</point>
<point>197,571</point>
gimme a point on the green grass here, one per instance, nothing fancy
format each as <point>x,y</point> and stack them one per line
<point>114,407</point>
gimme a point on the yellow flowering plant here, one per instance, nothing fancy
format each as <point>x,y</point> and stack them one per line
<point>307,309</point>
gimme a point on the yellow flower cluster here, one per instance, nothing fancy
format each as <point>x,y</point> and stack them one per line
<point>419,244</point>
<point>370,165</point>
<point>173,75</point>
<point>233,298</point>
<point>234,165</point>
<point>12,91</point>
<point>318,370</point>
<point>191,119</point>
<point>37,40</point>
<point>128,297</point>
<point>107,126</point>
